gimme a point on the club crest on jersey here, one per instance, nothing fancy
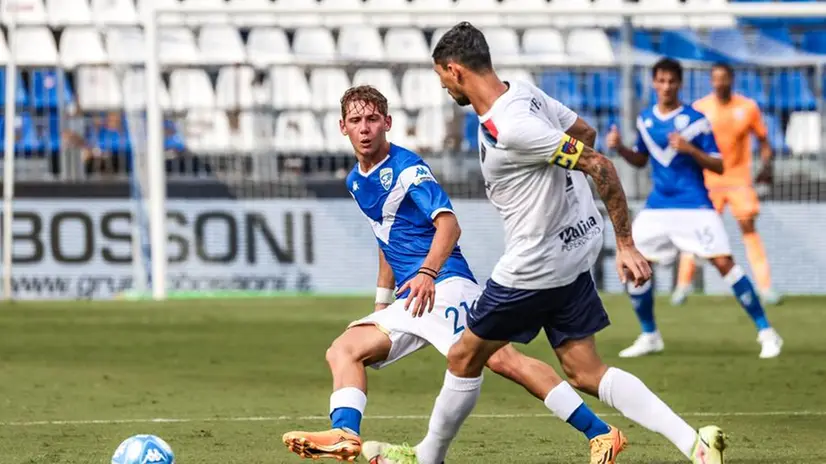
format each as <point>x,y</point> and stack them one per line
<point>681,121</point>
<point>739,114</point>
<point>386,177</point>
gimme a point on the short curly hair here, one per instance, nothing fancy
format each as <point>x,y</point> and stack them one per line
<point>366,94</point>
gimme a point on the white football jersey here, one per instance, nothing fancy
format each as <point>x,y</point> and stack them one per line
<point>553,229</point>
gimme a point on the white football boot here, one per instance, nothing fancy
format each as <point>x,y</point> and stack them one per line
<point>680,294</point>
<point>771,297</point>
<point>646,343</point>
<point>770,342</point>
<point>711,441</point>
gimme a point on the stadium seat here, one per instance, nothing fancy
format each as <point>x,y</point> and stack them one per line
<point>177,46</point>
<point>27,142</point>
<point>114,12</point>
<point>660,22</point>
<point>777,138</point>
<point>602,90</point>
<point>775,49</point>
<point>360,43</point>
<point>400,130</point>
<point>79,46</point>
<point>515,74</point>
<point>290,89</point>
<point>333,140</point>
<point>685,44</point>
<point>206,131</point>
<point>482,20</point>
<point>234,88</point>
<point>314,43</point>
<point>299,20</point>
<point>144,10</point>
<point>471,132</point>
<point>730,42</point>
<point>543,44</point>
<point>503,44</point>
<point>421,89</point>
<point>20,94</point>
<point>397,20</point>
<point>608,21</point>
<point>327,85</point>
<point>410,40</point>
<point>221,45</point>
<point>591,46</point>
<point>563,86</point>
<point>125,45</point>
<point>431,128</point>
<point>791,91</point>
<point>212,18</point>
<point>710,21</point>
<point>434,38</point>
<point>134,81</point>
<point>440,15</point>
<point>33,14</point>
<point>298,131</point>
<point>35,46</point>
<point>382,79</point>
<point>803,133</point>
<point>44,89</point>
<point>586,21</point>
<point>98,89</point>
<point>814,41</point>
<point>267,46</point>
<point>777,33</point>
<point>190,89</point>
<point>338,20</point>
<point>696,84</point>
<point>68,12</point>
<point>527,21</point>
<point>252,19</point>
<point>747,82</point>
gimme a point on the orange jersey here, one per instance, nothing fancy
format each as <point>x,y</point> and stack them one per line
<point>732,124</point>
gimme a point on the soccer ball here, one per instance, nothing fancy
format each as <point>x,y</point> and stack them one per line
<point>143,449</point>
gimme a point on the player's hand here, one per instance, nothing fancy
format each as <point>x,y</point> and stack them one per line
<point>766,175</point>
<point>632,266</point>
<point>380,306</point>
<point>678,143</point>
<point>423,291</point>
<point>613,140</point>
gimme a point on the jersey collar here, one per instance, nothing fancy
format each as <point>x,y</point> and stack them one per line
<point>377,165</point>
<point>667,116</point>
<point>489,113</point>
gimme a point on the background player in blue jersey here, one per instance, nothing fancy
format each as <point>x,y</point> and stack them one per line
<point>679,215</point>
<point>417,234</point>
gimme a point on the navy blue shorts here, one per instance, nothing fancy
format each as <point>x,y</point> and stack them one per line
<point>571,312</point>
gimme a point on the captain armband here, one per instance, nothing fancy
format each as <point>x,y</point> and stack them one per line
<point>568,152</point>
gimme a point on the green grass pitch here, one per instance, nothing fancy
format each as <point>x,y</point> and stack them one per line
<point>232,376</point>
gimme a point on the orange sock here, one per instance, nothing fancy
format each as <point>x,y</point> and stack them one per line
<point>758,260</point>
<point>685,273</point>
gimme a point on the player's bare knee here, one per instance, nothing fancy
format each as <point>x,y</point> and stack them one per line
<point>724,264</point>
<point>460,362</point>
<point>587,378</point>
<point>504,361</point>
<point>344,349</point>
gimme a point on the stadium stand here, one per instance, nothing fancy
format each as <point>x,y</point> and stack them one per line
<point>259,83</point>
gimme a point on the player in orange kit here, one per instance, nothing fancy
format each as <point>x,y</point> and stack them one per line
<point>733,119</point>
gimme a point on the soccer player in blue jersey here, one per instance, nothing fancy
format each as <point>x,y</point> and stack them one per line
<point>679,215</point>
<point>417,234</point>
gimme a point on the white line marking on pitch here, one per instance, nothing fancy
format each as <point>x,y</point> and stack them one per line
<point>411,417</point>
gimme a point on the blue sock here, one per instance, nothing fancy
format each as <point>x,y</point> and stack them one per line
<point>744,291</point>
<point>346,418</point>
<point>584,420</point>
<point>643,300</point>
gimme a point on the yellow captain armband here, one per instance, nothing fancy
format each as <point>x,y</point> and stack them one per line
<point>568,152</point>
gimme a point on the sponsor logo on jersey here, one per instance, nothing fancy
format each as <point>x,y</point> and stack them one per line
<point>578,235</point>
<point>423,175</point>
<point>386,177</point>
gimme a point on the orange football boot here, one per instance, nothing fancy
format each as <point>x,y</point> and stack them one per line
<point>333,444</point>
<point>606,447</point>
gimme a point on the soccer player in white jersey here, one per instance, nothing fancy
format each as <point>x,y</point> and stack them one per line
<point>417,234</point>
<point>678,215</point>
<point>535,153</point>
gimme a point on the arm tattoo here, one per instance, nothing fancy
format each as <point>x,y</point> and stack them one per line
<point>602,170</point>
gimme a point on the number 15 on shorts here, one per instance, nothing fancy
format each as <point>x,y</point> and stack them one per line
<point>452,313</point>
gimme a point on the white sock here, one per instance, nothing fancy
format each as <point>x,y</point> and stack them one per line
<point>352,398</point>
<point>563,400</point>
<point>634,400</point>
<point>453,406</point>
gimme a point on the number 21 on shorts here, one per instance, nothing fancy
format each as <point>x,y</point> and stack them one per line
<point>453,312</point>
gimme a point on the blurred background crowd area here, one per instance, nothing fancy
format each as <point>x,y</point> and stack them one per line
<point>256,96</point>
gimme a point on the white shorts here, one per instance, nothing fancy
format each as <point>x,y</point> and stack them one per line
<point>661,233</point>
<point>441,327</point>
